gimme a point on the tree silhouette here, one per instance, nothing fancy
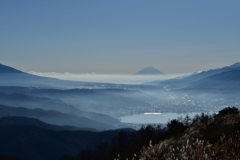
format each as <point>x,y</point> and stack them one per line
<point>175,126</point>
<point>228,110</point>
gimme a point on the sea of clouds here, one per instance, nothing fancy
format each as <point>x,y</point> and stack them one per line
<point>106,78</point>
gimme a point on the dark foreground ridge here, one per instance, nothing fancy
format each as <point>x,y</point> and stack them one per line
<point>31,139</point>
<point>201,137</point>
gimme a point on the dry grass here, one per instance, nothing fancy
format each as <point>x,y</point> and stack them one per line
<point>191,145</point>
<point>194,149</point>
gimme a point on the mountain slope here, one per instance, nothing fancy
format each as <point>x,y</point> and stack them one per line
<point>229,80</point>
<point>6,69</point>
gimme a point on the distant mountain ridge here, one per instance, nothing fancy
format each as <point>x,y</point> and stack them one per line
<point>225,78</point>
<point>149,71</point>
<point>228,80</point>
<point>235,66</point>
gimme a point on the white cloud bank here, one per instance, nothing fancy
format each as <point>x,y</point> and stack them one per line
<point>106,78</point>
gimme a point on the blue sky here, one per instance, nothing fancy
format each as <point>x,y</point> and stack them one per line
<point>81,36</point>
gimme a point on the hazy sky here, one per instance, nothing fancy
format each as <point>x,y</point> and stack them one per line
<point>119,36</point>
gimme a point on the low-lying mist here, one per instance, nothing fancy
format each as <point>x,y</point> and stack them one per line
<point>107,78</point>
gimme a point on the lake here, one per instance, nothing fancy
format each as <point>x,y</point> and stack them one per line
<point>163,118</point>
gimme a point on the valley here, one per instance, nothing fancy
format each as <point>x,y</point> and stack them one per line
<point>63,111</point>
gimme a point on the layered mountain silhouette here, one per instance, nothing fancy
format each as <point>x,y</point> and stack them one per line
<point>33,102</point>
<point>149,71</point>
<point>18,99</point>
<point>54,117</point>
<point>92,100</point>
